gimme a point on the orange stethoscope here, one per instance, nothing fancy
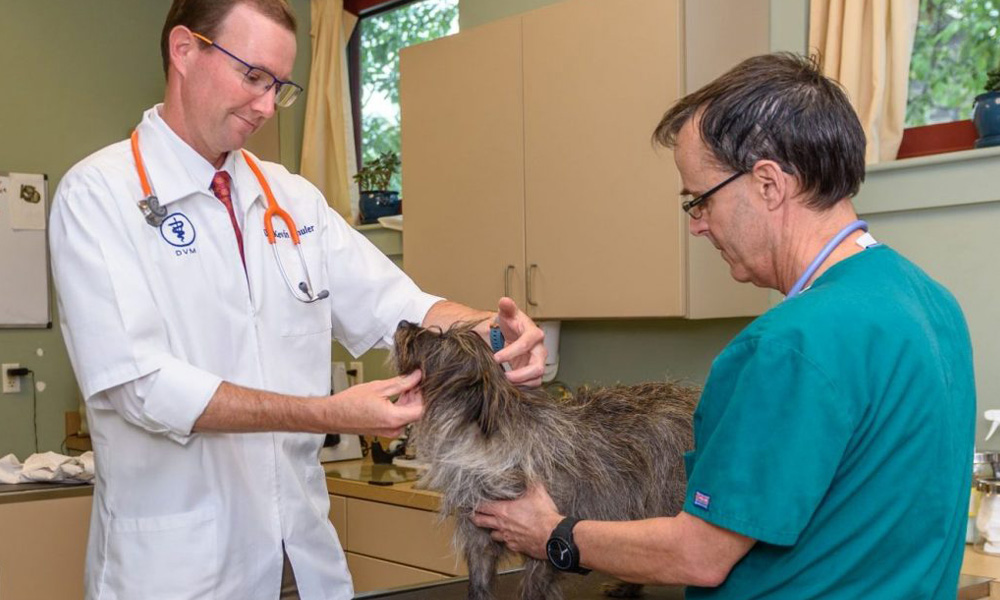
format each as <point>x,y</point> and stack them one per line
<point>156,214</point>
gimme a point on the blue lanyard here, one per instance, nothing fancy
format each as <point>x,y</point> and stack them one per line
<point>823,255</point>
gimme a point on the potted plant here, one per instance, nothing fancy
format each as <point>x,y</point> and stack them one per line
<point>377,200</point>
<point>986,115</point>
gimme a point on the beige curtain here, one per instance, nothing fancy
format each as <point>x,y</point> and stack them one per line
<point>328,157</point>
<point>866,46</point>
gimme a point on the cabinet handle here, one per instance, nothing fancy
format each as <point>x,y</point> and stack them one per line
<point>531,270</point>
<point>506,280</point>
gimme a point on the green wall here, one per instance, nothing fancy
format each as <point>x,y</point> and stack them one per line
<point>77,76</point>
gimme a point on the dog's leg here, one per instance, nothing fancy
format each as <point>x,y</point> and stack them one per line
<point>540,581</point>
<point>481,556</point>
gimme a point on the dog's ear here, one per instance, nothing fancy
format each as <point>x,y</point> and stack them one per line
<point>411,345</point>
<point>487,382</point>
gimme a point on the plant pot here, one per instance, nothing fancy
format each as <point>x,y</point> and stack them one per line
<point>377,204</point>
<point>986,117</point>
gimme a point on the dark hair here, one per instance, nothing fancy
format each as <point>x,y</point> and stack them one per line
<point>778,107</point>
<point>205,17</point>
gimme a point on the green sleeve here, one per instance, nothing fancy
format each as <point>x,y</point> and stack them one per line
<point>770,432</point>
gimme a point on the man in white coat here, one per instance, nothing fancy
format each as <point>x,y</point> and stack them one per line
<point>205,369</point>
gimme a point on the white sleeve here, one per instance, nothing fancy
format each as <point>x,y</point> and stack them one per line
<point>371,295</point>
<point>146,401</point>
<point>112,327</point>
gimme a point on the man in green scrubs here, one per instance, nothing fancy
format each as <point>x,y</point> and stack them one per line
<point>834,436</point>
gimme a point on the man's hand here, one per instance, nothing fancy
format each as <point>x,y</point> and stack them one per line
<point>525,350</point>
<point>367,408</point>
<point>524,524</point>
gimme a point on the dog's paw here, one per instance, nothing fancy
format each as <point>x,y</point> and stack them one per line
<point>620,589</point>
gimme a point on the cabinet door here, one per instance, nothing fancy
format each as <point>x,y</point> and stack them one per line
<point>371,574</point>
<point>463,161</point>
<point>602,216</point>
<point>403,535</point>
<point>43,547</point>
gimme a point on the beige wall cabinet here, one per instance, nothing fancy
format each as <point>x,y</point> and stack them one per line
<point>461,100</point>
<point>528,165</point>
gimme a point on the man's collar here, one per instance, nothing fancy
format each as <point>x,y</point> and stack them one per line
<point>177,171</point>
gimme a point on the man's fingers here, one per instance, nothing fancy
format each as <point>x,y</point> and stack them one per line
<point>530,375</point>
<point>507,308</point>
<point>410,398</point>
<point>402,383</point>
<point>484,520</point>
<point>525,343</point>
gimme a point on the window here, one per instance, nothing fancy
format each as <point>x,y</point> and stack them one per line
<point>956,43</point>
<point>382,31</point>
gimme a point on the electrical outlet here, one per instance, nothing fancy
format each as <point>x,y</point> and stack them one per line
<point>359,367</point>
<point>11,384</point>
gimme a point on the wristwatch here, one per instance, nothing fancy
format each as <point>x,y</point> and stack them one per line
<point>562,552</point>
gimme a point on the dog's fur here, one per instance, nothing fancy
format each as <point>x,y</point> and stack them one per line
<point>607,453</point>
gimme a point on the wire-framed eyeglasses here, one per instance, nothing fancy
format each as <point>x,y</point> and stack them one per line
<point>259,81</point>
<point>694,207</point>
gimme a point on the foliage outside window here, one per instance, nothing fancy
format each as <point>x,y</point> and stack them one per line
<point>956,43</point>
<point>382,37</point>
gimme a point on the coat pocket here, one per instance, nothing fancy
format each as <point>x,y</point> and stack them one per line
<point>168,557</point>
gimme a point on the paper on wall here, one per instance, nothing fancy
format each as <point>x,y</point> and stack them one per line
<point>26,201</point>
<point>4,186</point>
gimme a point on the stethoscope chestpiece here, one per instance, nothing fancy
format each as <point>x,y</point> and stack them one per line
<point>152,211</point>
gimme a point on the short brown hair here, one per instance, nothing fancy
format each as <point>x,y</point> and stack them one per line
<point>205,17</point>
<point>778,107</point>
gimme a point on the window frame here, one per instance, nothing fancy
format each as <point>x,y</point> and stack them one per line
<point>363,9</point>
<point>938,138</point>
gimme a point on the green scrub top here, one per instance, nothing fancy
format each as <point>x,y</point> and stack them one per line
<point>837,429</point>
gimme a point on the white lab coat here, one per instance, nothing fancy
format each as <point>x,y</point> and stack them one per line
<point>155,318</point>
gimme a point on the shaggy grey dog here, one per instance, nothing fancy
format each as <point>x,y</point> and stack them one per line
<point>606,453</point>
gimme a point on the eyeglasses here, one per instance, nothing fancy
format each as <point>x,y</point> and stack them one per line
<point>258,81</point>
<point>694,207</point>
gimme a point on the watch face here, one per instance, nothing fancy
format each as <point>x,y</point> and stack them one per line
<point>560,553</point>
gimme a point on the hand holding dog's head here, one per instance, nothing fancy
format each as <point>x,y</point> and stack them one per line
<point>458,367</point>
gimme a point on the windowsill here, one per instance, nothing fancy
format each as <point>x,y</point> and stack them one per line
<point>934,181</point>
<point>934,159</point>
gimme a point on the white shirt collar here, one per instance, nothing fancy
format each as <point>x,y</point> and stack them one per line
<point>177,171</point>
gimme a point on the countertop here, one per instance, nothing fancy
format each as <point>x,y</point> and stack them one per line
<point>352,478</point>
<point>23,492</point>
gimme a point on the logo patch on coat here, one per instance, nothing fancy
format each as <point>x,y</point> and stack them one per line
<point>177,230</point>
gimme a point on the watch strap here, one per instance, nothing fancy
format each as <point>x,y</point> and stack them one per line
<point>564,531</point>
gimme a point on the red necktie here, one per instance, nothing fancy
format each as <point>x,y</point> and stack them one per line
<point>220,187</point>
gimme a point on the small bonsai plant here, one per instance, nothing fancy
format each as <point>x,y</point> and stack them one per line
<point>377,200</point>
<point>375,175</point>
<point>993,80</point>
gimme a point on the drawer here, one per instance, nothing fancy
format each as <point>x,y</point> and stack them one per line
<point>402,535</point>
<point>375,574</point>
<point>338,516</point>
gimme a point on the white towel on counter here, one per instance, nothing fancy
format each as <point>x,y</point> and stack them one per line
<point>48,467</point>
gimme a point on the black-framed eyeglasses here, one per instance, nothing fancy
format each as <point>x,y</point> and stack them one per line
<point>694,207</point>
<point>259,81</point>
